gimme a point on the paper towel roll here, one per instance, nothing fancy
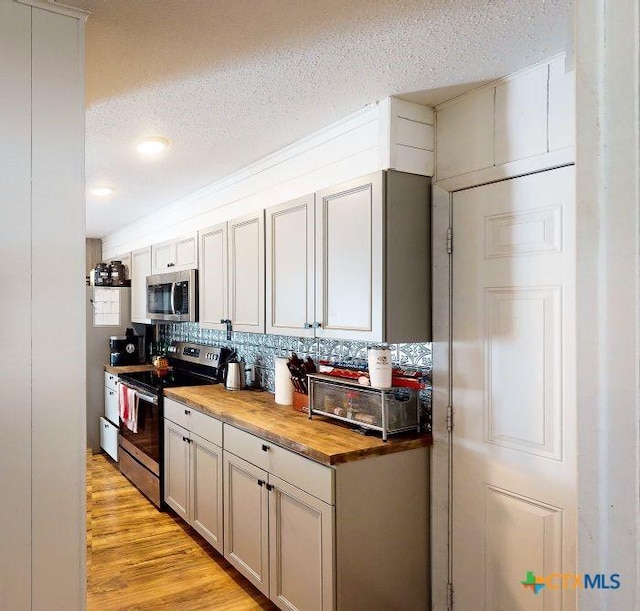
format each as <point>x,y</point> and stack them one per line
<point>284,387</point>
<point>379,358</point>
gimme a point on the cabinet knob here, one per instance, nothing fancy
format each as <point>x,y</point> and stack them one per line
<point>265,448</point>
<point>317,325</point>
<point>260,482</point>
<point>269,487</point>
<point>111,392</point>
<point>187,412</point>
<point>307,325</point>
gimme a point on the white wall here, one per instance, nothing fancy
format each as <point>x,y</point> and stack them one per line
<point>608,160</point>
<point>42,365</point>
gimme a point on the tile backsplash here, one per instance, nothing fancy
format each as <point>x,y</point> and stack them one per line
<point>259,351</point>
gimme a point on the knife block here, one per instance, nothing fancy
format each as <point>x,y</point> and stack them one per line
<point>301,402</point>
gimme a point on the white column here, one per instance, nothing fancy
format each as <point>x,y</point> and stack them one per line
<point>607,98</point>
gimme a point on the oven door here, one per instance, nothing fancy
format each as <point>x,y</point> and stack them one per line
<point>172,296</point>
<point>140,432</point>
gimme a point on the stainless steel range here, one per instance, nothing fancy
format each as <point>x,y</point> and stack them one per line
<point>141,424</point>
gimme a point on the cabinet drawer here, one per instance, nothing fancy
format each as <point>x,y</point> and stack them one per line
<point>205,426</point>
<point>194,421</point>
<point>109,438</point>
<point>297,470</point>
<point>111,381</point>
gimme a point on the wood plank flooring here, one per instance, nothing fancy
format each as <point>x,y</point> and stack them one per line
<point>142,559</point>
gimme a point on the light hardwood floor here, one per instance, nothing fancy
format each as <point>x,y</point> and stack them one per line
<point>142,559</point>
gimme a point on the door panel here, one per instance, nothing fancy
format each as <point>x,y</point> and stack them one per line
<point>290,268</point>
<point>176,469</point>
<point>206,490</point>
<point>214,288</point>
<point>349,260</point>
<point>301,549</point>
<point>514,462</point>
<point>246,273</point>
<point>246,520</point>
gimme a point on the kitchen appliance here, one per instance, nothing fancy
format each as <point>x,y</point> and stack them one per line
<point>388,411</point>
<point>107,314</point>
<point>126,349</point>
<point>117,273</point>
<point>235,377</point>
<point>100,275</point>
<point>173,296</point>
<point>142,446</point>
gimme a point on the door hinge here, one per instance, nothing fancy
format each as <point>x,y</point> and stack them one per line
<point>449,241</point>
<point>449,418</point>
<point>449,595</point>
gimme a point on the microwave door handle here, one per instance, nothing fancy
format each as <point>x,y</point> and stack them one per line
<point>173,297</point>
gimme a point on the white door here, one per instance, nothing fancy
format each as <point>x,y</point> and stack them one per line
<point>349,263</point>
<point>290,268</point>
<point>186,253</point>
<point>206,490</point>
<point>301,549</point>
<point>246,272</point>
<point>246,520</point>
<point>140,269</point>
<point>176,468</point>
<point>162,256</point>
<point>514,480</point>
<point>213,278</point>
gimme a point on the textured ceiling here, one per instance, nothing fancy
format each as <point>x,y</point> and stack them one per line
<point>230,81</point>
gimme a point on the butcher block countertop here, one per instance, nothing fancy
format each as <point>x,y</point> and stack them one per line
<point>326,441</point>
<point>118,369</point>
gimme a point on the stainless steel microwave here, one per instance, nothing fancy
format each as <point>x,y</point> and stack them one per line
<point>173,296</point>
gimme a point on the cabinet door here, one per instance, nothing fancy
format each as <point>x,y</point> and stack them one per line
<point>109,438</point>
<point>246,523</point>
<point>290,268</point>
<point>140,269</point>
<point>111,405</point>
<point>246,273</point>
<point>349,264</point>
<point>176,468</point>
<point>300,549</point>
<point>162,256</point>
<point>206,490</point>
<point>213,277</point>
<point>185,253</point>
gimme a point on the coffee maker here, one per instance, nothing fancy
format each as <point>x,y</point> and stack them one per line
<point>126,349</point>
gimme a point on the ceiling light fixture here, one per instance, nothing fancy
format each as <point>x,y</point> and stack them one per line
<point>152,146</point>
<point>103,191</point>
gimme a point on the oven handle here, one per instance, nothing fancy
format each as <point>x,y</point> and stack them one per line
<point>148,398</point>
<point>173,297</point>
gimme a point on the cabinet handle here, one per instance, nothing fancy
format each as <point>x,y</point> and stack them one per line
<point>317,325</point>
<point>184,439</point>
<point>265,448</point>
<point>187,412</point>
<point>260,482</point>
<point>307,325</point>
<point>106,426</point>
<point>111,393</point>
<point>269,487</point>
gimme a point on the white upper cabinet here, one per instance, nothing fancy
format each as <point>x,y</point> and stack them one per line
<point>213,283</point>
<point>373,259</point>
<point>349,260</point>
<point>246,272</point>
<point>175,255</point>
<point>290,284</point>
<point>140,269</point>
<point>519,120</point>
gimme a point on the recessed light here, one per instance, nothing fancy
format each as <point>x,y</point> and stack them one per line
<point>152,146</point>
<point>103,191</point>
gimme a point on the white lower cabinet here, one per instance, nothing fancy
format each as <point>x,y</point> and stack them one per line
<point>277,535</point>
<point>193,480</point>
<point>109,438</point>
